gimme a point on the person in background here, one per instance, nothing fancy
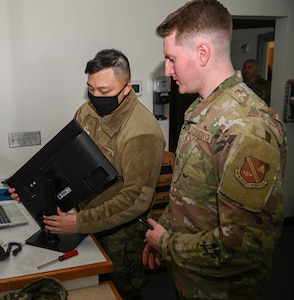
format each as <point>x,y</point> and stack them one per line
<point>131,138</point>
<point>253,79</point>
<point>225,211</point>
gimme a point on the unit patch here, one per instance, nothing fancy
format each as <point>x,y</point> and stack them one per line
<point>252,173</point>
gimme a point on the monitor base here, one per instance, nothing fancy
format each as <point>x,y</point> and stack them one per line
<point>58,242</point>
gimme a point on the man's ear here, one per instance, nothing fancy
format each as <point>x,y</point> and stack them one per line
<point>127,88</point>
<point>203,53</point>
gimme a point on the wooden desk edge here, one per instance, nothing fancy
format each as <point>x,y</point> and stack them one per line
<point>18,282</point>
<point>113,288</point>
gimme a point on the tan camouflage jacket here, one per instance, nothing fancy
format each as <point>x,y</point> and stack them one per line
<point>226,210</point>
<point>133,142</point>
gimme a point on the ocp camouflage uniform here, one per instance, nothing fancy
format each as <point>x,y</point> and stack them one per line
<point>262,88</point>
<point>46,288</point>
<point>226,210</point>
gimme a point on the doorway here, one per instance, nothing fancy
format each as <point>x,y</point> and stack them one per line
<point>178,105</point>
<point>265,54</point>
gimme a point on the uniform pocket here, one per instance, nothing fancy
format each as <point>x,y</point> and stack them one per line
<point>193,172</point>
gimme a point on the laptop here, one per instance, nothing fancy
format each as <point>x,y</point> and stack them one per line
<point>11,214</point>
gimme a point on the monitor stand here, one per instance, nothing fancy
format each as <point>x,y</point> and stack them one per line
<point>43,238</point>
<point>60,242</point>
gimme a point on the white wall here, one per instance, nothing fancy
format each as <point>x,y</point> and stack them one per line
<point>46,44</point>
<point>44,49</point>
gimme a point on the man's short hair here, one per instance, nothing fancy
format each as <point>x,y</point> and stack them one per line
<point>198,16</point>
<point>110,58</point>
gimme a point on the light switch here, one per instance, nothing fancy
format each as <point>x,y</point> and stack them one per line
<point>21,139</point>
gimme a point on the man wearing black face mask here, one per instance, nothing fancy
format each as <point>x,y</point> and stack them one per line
<point>103,107</point>
<point>131,138</point>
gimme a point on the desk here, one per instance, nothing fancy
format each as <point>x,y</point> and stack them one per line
<point>76,272</point>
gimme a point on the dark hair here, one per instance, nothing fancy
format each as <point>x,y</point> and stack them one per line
<point>195,17</point>
<point>110,58</point>
<point>251,60</point>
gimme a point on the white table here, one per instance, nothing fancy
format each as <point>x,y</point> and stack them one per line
<point>76,272</point>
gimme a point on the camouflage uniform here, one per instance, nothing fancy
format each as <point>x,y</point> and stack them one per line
<point>262,88</point>
<point>226,210</point>
<point>46,288</point>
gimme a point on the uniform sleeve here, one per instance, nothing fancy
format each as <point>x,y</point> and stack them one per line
<point>132,195</point>
<point>248,173</point>
<point>164,219</point>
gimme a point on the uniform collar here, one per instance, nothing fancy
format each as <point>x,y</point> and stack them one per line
<point>230,82</point>
<point>226,84</point>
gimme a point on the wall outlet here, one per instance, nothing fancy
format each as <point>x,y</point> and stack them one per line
<point>21,139</point>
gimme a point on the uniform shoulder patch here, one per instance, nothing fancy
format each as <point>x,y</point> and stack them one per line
<point>250,172</point>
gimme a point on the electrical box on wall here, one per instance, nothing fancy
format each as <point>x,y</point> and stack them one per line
<point>21,139</point>
<point>137,86</point>
<point>289,101</point>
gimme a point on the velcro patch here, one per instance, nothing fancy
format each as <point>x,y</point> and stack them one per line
<point>250,172</point>
<point>201,134</point>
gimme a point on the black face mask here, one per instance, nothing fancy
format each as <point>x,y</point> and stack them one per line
<point>105,105</point>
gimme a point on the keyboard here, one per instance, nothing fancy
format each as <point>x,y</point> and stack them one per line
<point>3,216</point>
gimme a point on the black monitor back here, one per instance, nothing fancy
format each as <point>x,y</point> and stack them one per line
<point>68,169</point>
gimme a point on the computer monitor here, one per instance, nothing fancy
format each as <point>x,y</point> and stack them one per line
<point>67,170</point>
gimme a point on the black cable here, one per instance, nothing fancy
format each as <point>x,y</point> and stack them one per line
<point>138,289</point>
<point>5,254</point>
